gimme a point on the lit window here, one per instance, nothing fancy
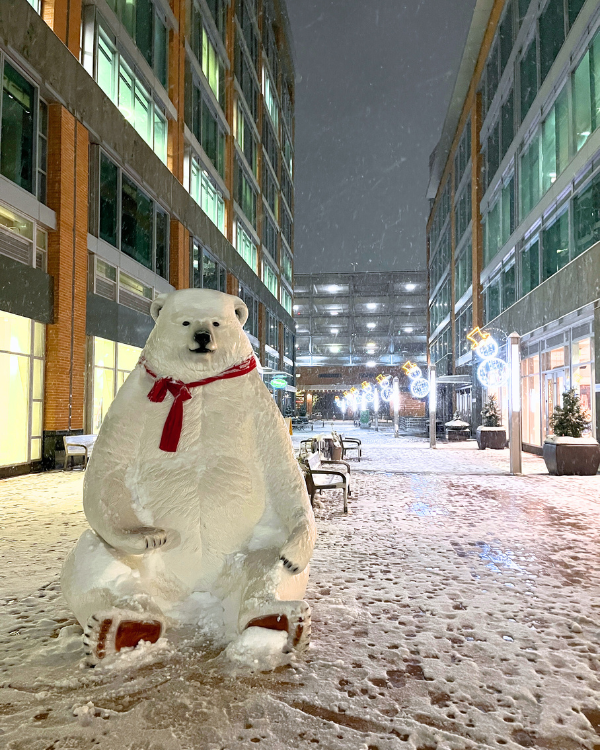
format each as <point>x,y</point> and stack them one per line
<point>207,196</point>
<point>270,97</point>
<point>286,300</point>
<point>270,279</point>
<point>246,248</point>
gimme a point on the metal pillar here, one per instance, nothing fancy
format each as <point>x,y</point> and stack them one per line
<point>396,404</point>
<point>514,403</point>
<point>432,406</point>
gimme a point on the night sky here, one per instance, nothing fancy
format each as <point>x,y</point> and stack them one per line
<point>374,78</point>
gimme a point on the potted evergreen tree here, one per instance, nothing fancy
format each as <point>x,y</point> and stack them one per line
<point>490,434</point>
<point>568,451</point>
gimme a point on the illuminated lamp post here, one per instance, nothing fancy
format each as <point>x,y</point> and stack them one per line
<point>432,406</point>
<point>396,404</point>
<point>376,408</point>
<point>514,403</point>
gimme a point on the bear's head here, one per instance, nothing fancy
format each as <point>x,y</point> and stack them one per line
<point>198,333</point>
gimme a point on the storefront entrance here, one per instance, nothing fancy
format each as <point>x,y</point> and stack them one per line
<point>554,387</point>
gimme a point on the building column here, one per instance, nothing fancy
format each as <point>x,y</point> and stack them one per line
<point>233,285</point>
<point>477,249</point>
<point>179,256</point>
<point>64,18</point>
<point>262,331</point>
<point>68,145</point>
<point>176,85</point>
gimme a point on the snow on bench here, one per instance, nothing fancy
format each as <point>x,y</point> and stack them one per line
<point>79,445</point>
<point>319,478</point>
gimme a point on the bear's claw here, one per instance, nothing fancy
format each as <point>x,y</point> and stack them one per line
<point>290,565</point>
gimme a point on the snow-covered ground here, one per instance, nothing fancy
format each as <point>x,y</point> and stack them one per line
<point>455,607</point>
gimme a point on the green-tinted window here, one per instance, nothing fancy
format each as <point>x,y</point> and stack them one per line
<point>286,266</point>
<point>144,28</point>
<point>555,245</point>
<point>463,271</point>
<point>561,109</point>
<point>210,273</point>
<point>109,191</point>
<point>549,168</point>
<point>552,34</point>
<point>493,300</point>
<point>245,195</point>
<point>286,300</point>
<point>208,132</point>
<point>126,12</point>
<point>509,288</point>
<point>529,78</point>
<point>586,217</point>
<point>530,267</point>
<point>508,211</point>
<point>246,248</point>
<point>595,76</point>
<point>162,244</point>
<point>493,152</point>
<point>270,236</point>
<point>17,134</point>
<point>506,37</point>
<point>530,177</point>
<point>196,266</point>
<point>218,10</point>
<point>582,102</point>
<point>574,7</point>
<point>508,124</point>
<point>107,67</point>
<point>136,223</point>
<point>160,50</point>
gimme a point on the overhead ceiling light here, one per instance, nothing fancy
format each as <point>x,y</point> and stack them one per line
<point>372,305</point>
<point>371,344</point>
<point>411,287</point>
<point>408,330</point>
<point>371,364</point>
<point>334,312</point>
<point>334,349</point>
<point>333,288</point>
<point>335,330</point>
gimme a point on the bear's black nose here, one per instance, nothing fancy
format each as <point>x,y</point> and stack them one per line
<point>202,338</point>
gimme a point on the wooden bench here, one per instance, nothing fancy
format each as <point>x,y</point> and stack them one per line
<point>318,478</point>
<point>301,423</point>
<point>349,444</point>
<point>79,445</point>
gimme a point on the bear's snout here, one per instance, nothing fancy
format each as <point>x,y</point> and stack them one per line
<point>205,342</point>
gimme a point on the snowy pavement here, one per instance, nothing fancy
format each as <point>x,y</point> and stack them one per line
<point>455,607</point>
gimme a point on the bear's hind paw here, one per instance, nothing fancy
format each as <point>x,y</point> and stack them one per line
<point>108,632</point>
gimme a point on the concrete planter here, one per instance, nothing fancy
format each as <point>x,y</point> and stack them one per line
<point>457,436</point>
<point>572,456</point>
<point>491,437</point>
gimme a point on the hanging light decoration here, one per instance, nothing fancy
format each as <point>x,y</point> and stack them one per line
<point>419,387</point>
<point>492,372</point>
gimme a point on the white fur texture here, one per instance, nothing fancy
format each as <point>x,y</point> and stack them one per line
<point>216,516</point>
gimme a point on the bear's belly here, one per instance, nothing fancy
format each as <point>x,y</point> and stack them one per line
<point>214,507</point>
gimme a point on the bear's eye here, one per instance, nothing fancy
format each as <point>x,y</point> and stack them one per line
<point>216,324</point>
<point>185,323</point>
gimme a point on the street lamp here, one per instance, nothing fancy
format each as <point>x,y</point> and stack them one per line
<point>432,406</point>
<point>514,403</point>
<point>396,404</point>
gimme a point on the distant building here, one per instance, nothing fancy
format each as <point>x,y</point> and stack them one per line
<point>351,326</point>
<point>145,146</point>
<point>514,229</point>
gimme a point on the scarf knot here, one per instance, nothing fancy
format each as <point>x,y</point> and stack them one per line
<point>181,392</point>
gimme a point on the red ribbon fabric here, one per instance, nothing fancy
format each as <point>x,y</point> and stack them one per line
<point>181,393</point>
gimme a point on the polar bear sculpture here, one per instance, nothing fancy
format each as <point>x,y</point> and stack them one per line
<point>195,500</point>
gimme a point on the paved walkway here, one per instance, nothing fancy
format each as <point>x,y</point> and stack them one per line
<point>456,607</point>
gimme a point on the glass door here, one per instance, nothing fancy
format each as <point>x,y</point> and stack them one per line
<point>554,387</point>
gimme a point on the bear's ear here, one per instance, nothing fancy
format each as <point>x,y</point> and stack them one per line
<point>157,305</point>
<point>241,311</point>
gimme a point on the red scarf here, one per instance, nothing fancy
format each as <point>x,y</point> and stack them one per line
<point>181,392</point>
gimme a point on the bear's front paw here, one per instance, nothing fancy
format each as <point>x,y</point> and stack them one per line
<point>144,539</point>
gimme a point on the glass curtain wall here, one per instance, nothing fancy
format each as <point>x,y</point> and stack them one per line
<point>112,363</point>
<point>22,343</point>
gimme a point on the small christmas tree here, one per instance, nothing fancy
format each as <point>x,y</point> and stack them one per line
<point>491,413</point>
<point>569,420</point>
